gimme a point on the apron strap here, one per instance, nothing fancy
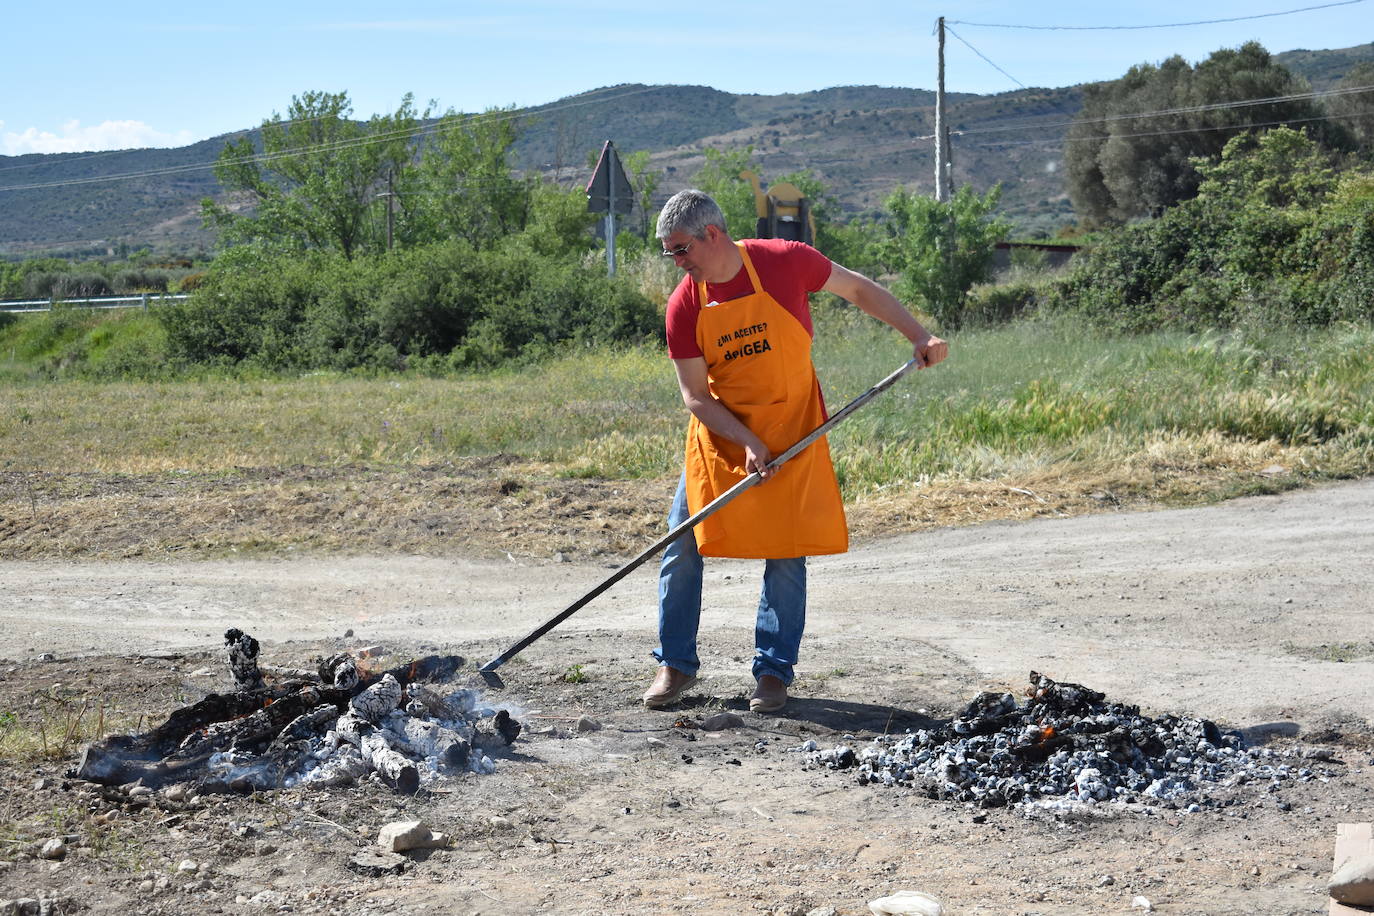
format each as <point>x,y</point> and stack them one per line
<point>748,265</point>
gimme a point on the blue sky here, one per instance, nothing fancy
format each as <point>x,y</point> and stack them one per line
<point>86,76</point>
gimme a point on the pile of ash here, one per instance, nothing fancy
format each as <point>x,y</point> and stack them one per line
<point>1065,742</point>
<point>333,726</point>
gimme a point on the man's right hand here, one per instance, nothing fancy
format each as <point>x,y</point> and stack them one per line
<point>696,394</point>
<point>756,458</point>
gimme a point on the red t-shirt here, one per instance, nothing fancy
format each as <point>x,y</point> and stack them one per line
<point>787,271</point>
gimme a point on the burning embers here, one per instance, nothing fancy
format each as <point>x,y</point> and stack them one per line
<point>1064,742</point>
<point>330,727</point>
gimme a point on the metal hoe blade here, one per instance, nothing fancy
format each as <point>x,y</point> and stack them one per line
<point>488,671</point>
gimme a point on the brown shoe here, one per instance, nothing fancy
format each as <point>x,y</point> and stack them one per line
<point>668,686</point>
<point>769,696</point>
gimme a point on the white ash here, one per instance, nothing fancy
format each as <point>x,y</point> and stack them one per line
<point>439,735</point>
<point>241,652</point>
<point>340,669</point>
<point>328,727</point>
<point>379,700</point>
<point>1066,744</point>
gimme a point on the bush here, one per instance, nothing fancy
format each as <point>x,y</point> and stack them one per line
<point>66,285</point>
<point>994,303</point>
<point>141,280</point>
<point>447,300</point>
<point>1271,237</point>
<point>250,309</point>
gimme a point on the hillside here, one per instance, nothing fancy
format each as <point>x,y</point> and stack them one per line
<point>861,141</point>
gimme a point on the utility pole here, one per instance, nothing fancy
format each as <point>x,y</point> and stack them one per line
<point>943,163</point>
<point>390,213</point>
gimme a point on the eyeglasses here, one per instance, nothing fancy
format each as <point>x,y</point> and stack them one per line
<point>677,252</point>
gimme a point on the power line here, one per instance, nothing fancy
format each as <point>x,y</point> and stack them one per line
<point>1163,133</point>
<point>984,56</point>
<point>528,112</point>
<point>1162,25</point>
<point>1164,112</point>
<point>323,147</point>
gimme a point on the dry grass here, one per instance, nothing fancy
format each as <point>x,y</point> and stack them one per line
<point>327,420</point>
<point>59,720</point>
<point>578,456</point>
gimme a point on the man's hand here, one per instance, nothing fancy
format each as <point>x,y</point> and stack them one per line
<point>929,351</point>
<point>696,395</point>
<point>756,458</point>
<point>881,304</point>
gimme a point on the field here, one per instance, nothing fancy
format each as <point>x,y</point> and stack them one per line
<point>998,504</point>
<point>1033,419</point>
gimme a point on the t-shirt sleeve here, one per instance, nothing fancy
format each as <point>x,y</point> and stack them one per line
<point>813,268</point>
<point>681,321</point>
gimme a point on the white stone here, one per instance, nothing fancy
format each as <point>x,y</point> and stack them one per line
<point>400,836</point>
<point>906,903</point>
<point>177,793</point>
<point>721,721</point>
<point>1353,882</point>
<point>53,849</point>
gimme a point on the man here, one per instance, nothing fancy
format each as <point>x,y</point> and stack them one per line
<point>739,334</point>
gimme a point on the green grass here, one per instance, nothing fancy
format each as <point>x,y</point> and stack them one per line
<point>1018,399</point>
<point>58,721</point>
<point>1332,652</point>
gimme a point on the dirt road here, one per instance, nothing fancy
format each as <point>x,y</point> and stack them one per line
<point>1252,610</point>
<point>1254,613</point>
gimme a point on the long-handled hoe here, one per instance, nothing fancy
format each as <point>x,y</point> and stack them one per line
<point>488,671</point>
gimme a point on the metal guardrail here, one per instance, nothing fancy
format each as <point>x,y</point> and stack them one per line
<point>142,300</point>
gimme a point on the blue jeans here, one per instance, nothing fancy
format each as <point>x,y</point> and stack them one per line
<point>781,614</point>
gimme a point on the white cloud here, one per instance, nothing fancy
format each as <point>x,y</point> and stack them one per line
<point>74,138</point>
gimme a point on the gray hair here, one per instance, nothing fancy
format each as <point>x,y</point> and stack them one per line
<point>690,211</point>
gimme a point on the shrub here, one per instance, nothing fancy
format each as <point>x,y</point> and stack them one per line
<point>474,308</point>
<point>141,280</point>
<point>66,285</point>
<point>1272,237</point>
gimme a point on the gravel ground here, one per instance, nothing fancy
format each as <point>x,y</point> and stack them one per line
<point>1253,613</point>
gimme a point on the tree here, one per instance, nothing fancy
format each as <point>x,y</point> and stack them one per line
<point>645,181</point>
<point>317,181</point>
<point>942,249</point>
<point>465,187</point>
<point>1274,235</point>
<point>719,177</point>
<point>1133,146</point>
<point>1354,108</point>
<point>1276,169</point>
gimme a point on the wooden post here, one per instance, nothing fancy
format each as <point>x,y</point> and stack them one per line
<point>390,213</point>
<point>942,152</point>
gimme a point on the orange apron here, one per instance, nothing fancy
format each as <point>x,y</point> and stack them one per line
<point>758,358</point>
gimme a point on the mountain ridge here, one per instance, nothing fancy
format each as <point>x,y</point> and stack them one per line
<point>860,141</point>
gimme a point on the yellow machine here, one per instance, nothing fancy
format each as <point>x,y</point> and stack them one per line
<point>783,211</point>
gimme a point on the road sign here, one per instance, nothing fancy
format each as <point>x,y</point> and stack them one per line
<point>609,188</point>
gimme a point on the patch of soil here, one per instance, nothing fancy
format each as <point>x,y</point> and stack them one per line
<point>646,813</point>
<point>492,507</point>
<point>488,508</point>
<point>1220,612</point>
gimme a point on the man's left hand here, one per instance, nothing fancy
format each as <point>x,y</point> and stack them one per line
<point>930,351</point>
